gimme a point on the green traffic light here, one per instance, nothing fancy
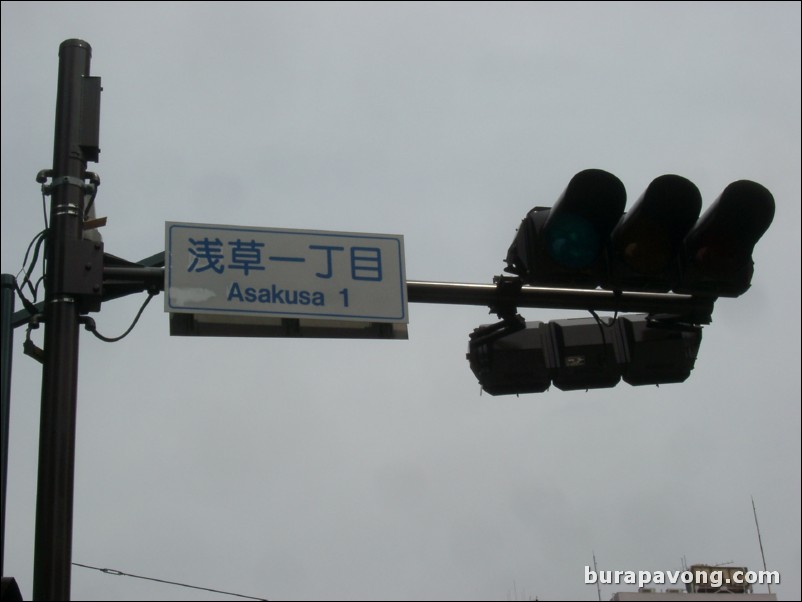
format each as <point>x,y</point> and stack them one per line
<point>572,241</point>
<point>564,245</point>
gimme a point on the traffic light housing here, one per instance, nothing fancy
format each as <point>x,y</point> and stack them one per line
<point>564,245</point>
<point>643,247</point>
<point>587,241</point>
<point>510,357</point>
<point>582,353</point>
<point>716,255</point>
<point>661,244</point>
<point>654,352</point>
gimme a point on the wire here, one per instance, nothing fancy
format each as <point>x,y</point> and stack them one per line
<point>89,324</point>
<point>36,245</point>
<point>601,325</point>
<point>90,203</point>
<point>25,302</point>
<point>44,206</point>
<point>121,574</point>
<point>20,285</point>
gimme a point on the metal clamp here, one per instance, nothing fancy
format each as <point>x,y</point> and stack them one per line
<point>89,187</point>
<point>507,290</point>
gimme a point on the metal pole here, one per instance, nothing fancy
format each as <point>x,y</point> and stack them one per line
<point>6,311</point>
<point>698,309</point>
<point>760,541</point>
<point>453,293</point>
<point>54,502</point>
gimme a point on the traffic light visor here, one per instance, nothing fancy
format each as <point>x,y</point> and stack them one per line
<point>583,217</point>
<point>716,258</point>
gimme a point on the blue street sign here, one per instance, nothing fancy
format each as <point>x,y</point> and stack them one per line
<point>272,272</point>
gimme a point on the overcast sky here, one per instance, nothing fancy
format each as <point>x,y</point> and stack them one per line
<point>308,469</point>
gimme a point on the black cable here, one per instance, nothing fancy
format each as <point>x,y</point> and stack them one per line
<point>19,285</point>
<point>44,206</point>
<point>36,245</point>
<point>36,286</point>
<point>25,302</point>
<point>121,574</point>
<point>30,246</point>
<point>601,325</point>
<point>90,204</point>
<point>89,324</point>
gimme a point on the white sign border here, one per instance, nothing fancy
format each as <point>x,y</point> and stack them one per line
<point>398,239</point>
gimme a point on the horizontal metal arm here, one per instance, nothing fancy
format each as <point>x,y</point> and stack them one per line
<point>697,309</point>
<point>129,280</point>
<point>694,309</point>
<point>121,281</point>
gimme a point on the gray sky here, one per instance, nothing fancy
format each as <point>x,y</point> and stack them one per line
<point>303,469</point>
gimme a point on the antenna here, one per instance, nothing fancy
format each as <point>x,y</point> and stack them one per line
<point>760,541</point>
<point>596,571</point>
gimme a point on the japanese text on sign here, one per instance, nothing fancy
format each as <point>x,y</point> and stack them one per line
<point>220,269</point>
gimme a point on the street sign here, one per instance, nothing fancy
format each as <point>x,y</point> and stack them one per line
<point>280,273</point>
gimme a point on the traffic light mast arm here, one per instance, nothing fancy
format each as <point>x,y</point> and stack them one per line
<point>696,310</point>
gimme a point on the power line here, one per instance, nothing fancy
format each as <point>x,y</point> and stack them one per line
<point>121,574</point>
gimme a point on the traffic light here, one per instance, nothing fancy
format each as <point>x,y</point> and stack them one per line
<point>643,248</point>
<point>564,245</point>
<point>586,240</point>
<point>653,352</point>
<point>510,358</point>
<point>716,256</point>
<point>582,353</point>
